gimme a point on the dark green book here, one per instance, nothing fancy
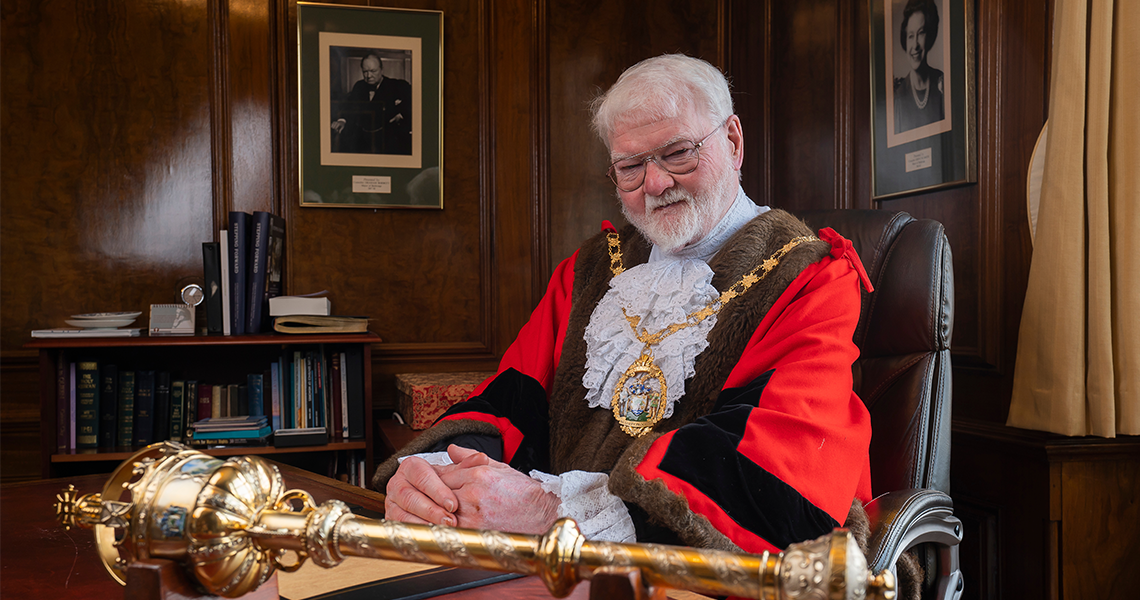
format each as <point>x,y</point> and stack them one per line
<point>126,435</point>
<point>191,410</point>
<point>87,404</point>
<point>177,410</point>
<point>108,404</point>
<point>161,425</point>
<point>144,408</point>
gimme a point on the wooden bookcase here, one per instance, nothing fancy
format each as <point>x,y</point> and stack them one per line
<point>207,358</point>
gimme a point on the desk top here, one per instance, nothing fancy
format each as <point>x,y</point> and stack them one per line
<point>39,559</point>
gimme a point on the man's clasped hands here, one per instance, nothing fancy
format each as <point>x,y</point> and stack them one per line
<point>475,492</point>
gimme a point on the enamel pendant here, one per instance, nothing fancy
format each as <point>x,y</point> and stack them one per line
<point>639,397</point>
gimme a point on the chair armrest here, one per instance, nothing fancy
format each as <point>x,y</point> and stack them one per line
<point>903,519</point>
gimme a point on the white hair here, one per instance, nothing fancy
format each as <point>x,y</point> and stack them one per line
<point>659,88</point>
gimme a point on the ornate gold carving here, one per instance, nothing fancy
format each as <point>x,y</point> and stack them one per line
<point>233,522</point>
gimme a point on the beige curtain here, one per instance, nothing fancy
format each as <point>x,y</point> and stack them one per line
<point>1078,354</point>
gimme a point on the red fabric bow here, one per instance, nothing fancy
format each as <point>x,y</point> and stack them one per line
<point>841,248</point>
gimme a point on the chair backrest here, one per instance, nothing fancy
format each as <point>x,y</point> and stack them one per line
<point>903,370</point>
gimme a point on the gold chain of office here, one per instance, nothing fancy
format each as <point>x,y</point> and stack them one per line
<point>636,405</point>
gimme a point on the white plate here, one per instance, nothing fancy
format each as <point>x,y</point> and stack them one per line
<point>100,323</point>
<point>107,315</point>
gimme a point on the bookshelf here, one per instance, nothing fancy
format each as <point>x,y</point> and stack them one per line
<point>206,358</point>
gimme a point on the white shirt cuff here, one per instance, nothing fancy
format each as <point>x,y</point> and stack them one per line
<point>584,497</point>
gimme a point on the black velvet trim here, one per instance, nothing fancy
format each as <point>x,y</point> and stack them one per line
<point>491,445</point>
<point>520,399</point>
<point>649,531</point>
<point>703,454</point>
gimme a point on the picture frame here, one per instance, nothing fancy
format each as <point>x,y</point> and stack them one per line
<point>922,96</point>
<point>370,106</point>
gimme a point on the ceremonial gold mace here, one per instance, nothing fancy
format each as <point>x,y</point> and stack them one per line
<point>232,523</point>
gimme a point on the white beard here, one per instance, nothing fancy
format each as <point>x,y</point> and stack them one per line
<point>696,218</point>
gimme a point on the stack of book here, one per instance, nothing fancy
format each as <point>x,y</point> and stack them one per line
<point>311,314</point>
<point>242,272</point>
<point>231,431</point>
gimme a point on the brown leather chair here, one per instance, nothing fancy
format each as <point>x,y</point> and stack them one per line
<point>903,376</point>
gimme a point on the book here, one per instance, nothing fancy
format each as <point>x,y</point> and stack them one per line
<point>320,324</point>
<point>300,305</point>
<point>177,410</point>
<point>267,241</point>
<point>230,442</point>
<point>71,407</point>
<point>275,395</point>
<point>108,405</point>
<point>190,410</point>
<point>212,284</point>
<point>205,402</point>
<point>161,430</point>
<point>306,436</point>
<point>126,427</point>
<point>87,404</point>
<point>239,264</point>
<point>354,379</point>
<point>144,407</point>
<point>84,333</point>
<point>216,402</point>
<point>255,386</point>
<point>62,404</point>
<point>227,302</point>
<point>336,433</point>
<point>234,434</point>
<point>229,424</point>
<point>343,399</point>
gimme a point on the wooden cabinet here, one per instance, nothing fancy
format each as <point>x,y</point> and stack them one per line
<point>213,359</point>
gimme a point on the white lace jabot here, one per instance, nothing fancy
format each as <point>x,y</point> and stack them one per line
<point>662,292</point>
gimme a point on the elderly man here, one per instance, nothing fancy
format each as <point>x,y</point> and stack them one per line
<point>375,116</point>
<point>685,380</point>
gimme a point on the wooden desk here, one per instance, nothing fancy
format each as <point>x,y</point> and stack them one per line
<point>39,559</point>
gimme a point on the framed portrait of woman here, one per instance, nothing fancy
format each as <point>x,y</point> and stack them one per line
<point>922,96</point>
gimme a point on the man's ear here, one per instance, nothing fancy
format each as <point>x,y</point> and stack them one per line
<point>736,139</point>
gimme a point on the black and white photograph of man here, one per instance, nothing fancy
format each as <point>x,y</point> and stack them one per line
<point>371,101</point>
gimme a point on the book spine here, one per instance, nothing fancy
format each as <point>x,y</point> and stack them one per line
<point>177,410</point>
<point>161,426</point>
<point>205,401</point>
<point>337,434</point>
<point>108,405</point>
<point>190,412</point>
<point>217,406</point>
<point>227,301</point>
<point>343,398</point>
<point>126,433</point>
<point>259,247</point>
<point>239,265</point>
<point>309,392</point>
<point>355,377</point>
<point>71,407</point>
<point>256,384</point>
<point>87,404</point>
<point>62,404</point>
<point>212,278</point>
<point>144,407</point>
<point>275,395</point>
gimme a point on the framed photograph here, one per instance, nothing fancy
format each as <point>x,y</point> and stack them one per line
<point>922,96</point>
<point>370,106</point>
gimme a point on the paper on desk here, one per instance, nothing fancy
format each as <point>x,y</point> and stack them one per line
<point>311,580</point>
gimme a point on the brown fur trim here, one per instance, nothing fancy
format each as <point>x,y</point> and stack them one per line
<point>859,525</point>
<point>910,572</point>
<point>438,433</point>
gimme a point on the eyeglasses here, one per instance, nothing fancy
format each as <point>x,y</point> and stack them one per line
<point>679,158</point>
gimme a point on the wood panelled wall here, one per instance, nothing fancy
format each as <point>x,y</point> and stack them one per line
<point>131,129</point>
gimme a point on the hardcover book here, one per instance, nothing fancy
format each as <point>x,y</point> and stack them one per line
<point>62,405</point>
<point>227,300</point>
<point>299,305</point>
<point>268,243</point>
<point>161,426</point>
<point>205,401</point>
<point>255,387</point>
<point>126,428</point>
<point>144,407</point>
<point>190,410</point>
<point>212,276</point>
<point>319,324</point>
<point>108,405</point>
<point>177,410</point>
<point>87,404</point>
<point>239,264</point>
<point>354,376</point>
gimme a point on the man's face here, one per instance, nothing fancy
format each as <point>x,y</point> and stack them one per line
<point>674,211</point>
<point>371,68</point>
<point>916,39</point>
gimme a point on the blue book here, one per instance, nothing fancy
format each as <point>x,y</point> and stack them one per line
<point>275,394</point>
<point>232,435</point>
<point>255,389</point>
<point>239,267</point>
<point>144,408</point>
<point>267,241</point>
